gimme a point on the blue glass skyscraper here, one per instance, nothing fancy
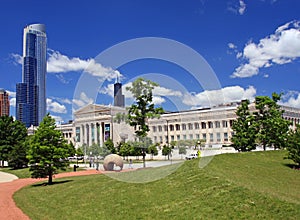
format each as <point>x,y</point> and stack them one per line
<point>31,93</point>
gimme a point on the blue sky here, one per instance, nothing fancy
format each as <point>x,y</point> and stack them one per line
<point>253,47</point>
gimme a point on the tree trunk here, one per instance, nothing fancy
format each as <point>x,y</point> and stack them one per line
<point>144,158</point>
<point>50,176</point>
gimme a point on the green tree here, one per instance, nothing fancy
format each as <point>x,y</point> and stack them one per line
<point>109,145</point>
<point>244,128</point>
<point>166,151</point>
<point>152,149</point>
<point>48,150</point>
<point>272,128</point>
<point>182,150</point>
<point>12,137</point>
<point>143,108</point>
<point>293,146</point>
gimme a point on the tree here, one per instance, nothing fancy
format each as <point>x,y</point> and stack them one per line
<point>272,128</point>
<point>293,146</point>
<point>152,149</point>
<point>244,128</point>
<point>182,150</point>
<point>143,108</point>
<point>12,137</point>
<point>166,151</point>
<point>48,150</point>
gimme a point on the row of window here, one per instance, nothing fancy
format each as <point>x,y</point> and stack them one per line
<point>211,137</point>
<point>192,126</point>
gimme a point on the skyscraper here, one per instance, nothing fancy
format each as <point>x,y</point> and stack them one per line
<point>31,93</point>
<point>119,99</point>
<point>4,103</point>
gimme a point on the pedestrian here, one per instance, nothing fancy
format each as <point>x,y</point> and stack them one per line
<point>130,164</point>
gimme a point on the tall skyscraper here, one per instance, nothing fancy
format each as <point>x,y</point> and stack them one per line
<point>4,103</point>
<point>31,93</point>
<point>119,99</point>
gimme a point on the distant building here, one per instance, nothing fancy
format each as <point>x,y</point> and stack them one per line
<point>31,93</point>
<point>4,103</point>
<point>119,99</point>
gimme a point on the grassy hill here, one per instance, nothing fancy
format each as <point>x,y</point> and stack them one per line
<point>258,185</point>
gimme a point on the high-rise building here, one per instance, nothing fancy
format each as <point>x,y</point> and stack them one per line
<point>4,103</point>
<point>119,99</point>
<point>31,93</point>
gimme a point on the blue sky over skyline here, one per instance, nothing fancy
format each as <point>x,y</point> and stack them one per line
<point>252,46</point>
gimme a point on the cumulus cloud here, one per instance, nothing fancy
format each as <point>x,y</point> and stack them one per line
<point>279,48</point>
<point>83,100</point>
<point>59,63</point>
<point>291,98</point>
<point>215,97</point>
<point>55,107</point>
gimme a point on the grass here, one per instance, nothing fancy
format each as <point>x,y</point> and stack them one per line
<point>25,173</point>
<point>257,185</point>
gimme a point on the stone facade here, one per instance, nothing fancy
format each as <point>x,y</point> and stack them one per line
<point>94,124</point>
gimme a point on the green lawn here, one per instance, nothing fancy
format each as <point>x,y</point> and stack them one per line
<point>256,185</point>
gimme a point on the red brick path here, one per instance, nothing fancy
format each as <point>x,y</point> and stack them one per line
<point>8,208</point>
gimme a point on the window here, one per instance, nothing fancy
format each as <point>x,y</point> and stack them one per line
<point>153,128</point>
<point>171,127</point>
<point>172,137</point>
<point>177,126</point>
<point>178,137</point>
<point>196,125</point>
<point>224,124</point>
<point>231,122</point>
<point>155,139</point>
<point>183,127</point>
<point>210,124</point>
<point>166,139</point>
<point>160,139</point>
<point>218,137</point>
<point>166,128</point>
<point>217,124</point>
<point>159,128</point>
<point>191,137</point>
<point>204,136</point>
<point>190,126</point>
<point>211,137</point>
<point>184,137</point>
<point>203,125</point>
<point>197,136</point>
<point>225,136</point>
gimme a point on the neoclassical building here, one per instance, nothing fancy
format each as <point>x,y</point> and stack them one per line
<point>94,124</point>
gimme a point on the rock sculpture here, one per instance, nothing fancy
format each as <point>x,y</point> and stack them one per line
<point>111,160</point>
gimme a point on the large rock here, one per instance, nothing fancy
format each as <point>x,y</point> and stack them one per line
<point>111,160</point>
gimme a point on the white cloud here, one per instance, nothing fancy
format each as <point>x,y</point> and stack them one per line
<point>215,97</point>
<point>242,7</point>
<point>83,100</point>
<point>291,98</point>
<point>12,102</point>
<point>59,63</point>
<point>58,119</point>
<point>55,106</point>
<point>18,59</point>
<point>279,48</point>
<point>158,100</point>
<point>231,46</point>
<point>237,7</point>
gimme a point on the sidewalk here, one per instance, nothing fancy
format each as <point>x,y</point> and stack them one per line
<point>7,177</point>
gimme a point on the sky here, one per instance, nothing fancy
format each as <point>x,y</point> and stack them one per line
<point>201,52</point>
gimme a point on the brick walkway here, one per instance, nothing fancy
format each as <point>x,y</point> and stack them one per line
<point>8,208</point>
